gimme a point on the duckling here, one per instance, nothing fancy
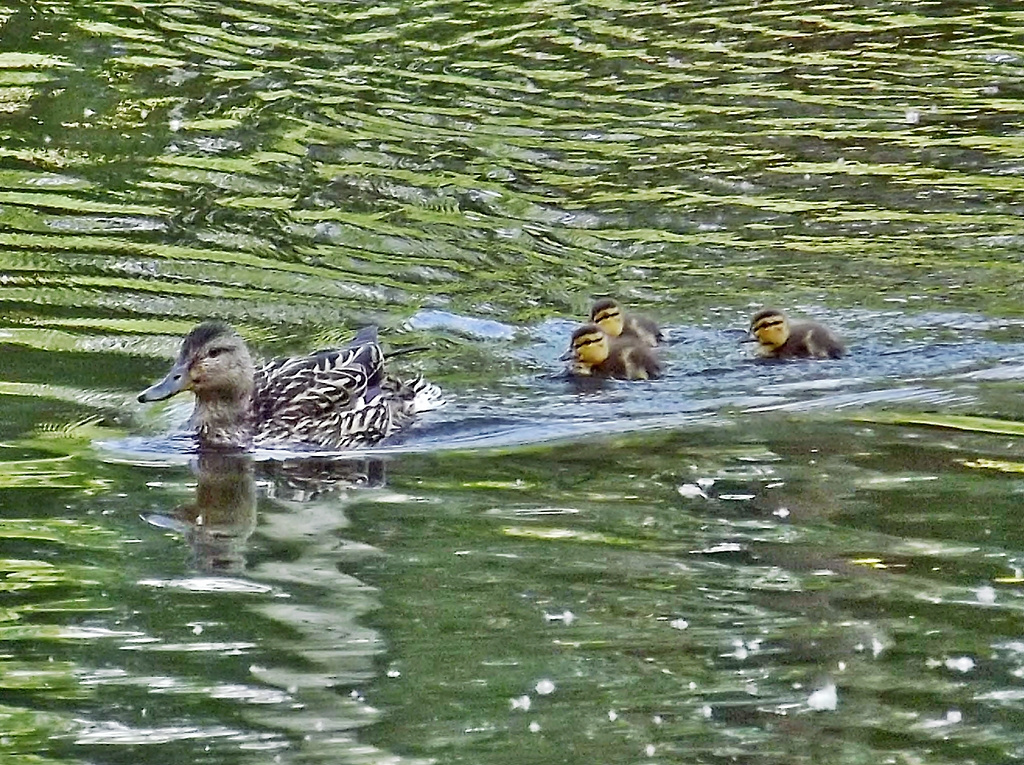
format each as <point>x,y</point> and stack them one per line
<point>779,338</point>
<point>609,316</point>
<point>332,399</point>
<point>596,354</point>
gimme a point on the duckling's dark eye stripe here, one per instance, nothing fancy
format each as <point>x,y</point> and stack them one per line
<point>767,323</point>
<point>587,341</point>
<point>606,315</point>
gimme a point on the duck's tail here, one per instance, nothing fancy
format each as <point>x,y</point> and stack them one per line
<point>421,396</point>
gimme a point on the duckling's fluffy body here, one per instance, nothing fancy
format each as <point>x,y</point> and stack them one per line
<point>609,316</point>
<point>779,338</point>
<point>595,354</point>
<point>332,399</point>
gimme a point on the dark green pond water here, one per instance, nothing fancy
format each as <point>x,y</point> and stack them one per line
<point>739,563</point>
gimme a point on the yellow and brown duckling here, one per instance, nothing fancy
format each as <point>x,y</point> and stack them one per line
<point>595,354</point>
<point>779,338</point>
<point>333,399</point>
<point>609,316</point>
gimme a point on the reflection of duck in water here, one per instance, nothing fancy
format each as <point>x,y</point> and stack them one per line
<point>218,524</point>
<point>306,478</point>
<point>594,354</point>
<point>222,518</point>
<point>332,399</point>
<point>779,338</point>
<point>609,316</point>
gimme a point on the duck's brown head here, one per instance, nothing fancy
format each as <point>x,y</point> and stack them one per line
<point>214,363</point>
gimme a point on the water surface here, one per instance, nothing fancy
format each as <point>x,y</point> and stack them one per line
<point>740,562</point>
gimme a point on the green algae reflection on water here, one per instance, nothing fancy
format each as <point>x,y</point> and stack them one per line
<point>691,570</point>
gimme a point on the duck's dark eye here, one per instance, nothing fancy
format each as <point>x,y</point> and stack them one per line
<point>215,352</point>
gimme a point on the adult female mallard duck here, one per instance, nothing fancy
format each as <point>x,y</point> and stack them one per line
<point>779,338</point>
<point>333,399</point>
<point>609,316</point>
<point>595,354</point>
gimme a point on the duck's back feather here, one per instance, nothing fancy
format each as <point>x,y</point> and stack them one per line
<point>643,328</point>
<point>330,398</point>
<point>808,339</point>
<point>629,361</point>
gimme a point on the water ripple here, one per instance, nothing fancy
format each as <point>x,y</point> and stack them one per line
<point>469,177</point>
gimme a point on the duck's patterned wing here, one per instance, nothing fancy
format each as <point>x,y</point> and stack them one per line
<point>330,398</point>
